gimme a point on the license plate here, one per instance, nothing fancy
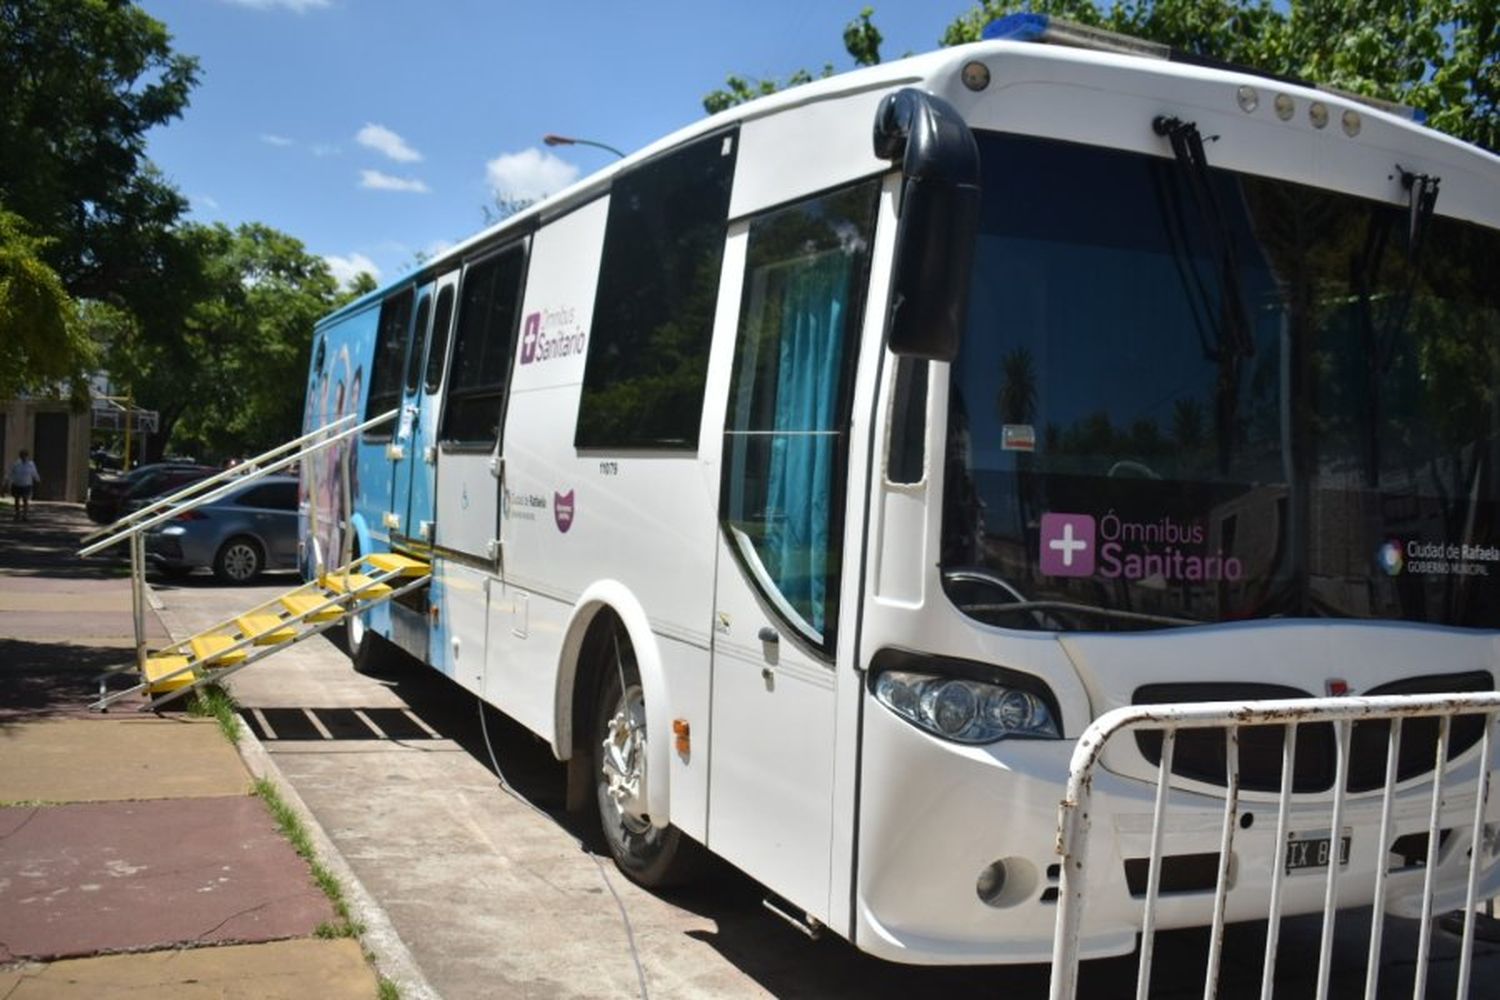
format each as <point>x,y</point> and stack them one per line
<point>1310,852</point>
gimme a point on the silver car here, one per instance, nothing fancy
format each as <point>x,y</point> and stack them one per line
<point>251,530</point>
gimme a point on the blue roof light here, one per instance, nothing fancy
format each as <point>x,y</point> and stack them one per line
<point>1020,27</point>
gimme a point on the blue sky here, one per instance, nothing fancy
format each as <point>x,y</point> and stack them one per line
<point>373,130</point>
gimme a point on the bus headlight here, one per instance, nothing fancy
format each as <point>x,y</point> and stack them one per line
<point>965,710</point>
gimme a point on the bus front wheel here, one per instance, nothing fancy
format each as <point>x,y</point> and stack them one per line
<point>652,856</point>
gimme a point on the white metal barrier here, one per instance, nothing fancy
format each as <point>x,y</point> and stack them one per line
<point>1343,712</point>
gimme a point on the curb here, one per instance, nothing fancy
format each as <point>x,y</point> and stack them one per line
<point>393,959</point>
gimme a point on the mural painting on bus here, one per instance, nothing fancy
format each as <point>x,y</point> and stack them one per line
<point>337,393</point>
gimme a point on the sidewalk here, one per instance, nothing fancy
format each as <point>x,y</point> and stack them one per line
<point>129,843</point>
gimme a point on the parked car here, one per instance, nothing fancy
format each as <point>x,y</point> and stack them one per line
<point>238,537</point>
<point>108,494</point>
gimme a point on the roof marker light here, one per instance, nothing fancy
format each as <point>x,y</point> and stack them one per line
<point>1031,27</point>
<point>1317,113</point>
<point>976,76</point>
<point>1352,123</point>
<point>1247,98</point>
<point>1285,107</point>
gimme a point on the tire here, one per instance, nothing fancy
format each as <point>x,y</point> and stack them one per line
<point>369,651</point>
<point>239,560</point>
<point>651,856</point>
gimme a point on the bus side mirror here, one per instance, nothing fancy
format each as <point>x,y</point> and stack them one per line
<point>939,211</point>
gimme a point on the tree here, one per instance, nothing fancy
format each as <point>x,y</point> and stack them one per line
<point>861,40</point>
<point>41,345</point>
<point>1441,57</point>
<point>84,81</point>
<point>229,379</point>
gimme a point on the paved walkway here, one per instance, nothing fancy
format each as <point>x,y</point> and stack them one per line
<point>129,841</point>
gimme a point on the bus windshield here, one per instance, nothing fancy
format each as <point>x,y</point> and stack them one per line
<point>1200,398</point>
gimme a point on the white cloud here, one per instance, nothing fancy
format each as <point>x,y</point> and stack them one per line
<point>272,139</point>
<point>383,140</point>
<point>345,269</point>
<point>528,175</point>
<point>204,201</point>
<point>321,149</point>
<point>296,6</point>
<point>377,181</point>
<point>437,248</point>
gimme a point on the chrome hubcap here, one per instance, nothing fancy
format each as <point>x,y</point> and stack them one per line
<point>623,761</point>
<point>239,561</point>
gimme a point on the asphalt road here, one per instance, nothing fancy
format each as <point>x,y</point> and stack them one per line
<point>504,895</point>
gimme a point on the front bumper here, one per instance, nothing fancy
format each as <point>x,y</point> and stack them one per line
<point>934,814</point>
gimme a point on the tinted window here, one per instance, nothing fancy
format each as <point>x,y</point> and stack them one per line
<point>418,339</point>
<point>270,496</point>
<point>654,312</point>
<point>489,303</point>
<point>390,350</point>
<point>786,431</point>
<point>437,351</point>
<point>1272,409</point>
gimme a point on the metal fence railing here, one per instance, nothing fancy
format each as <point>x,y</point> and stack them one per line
<point>132,527</point>
<point>1167,722</point>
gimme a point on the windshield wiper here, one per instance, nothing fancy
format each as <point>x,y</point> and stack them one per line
<point>1233,339</point>
<point>1380,339</point>
<point>1139,617</point>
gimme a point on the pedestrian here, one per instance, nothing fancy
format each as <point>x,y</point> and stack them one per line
<point>23,478</point>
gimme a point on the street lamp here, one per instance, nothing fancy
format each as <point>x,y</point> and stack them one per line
<point>552,139</point>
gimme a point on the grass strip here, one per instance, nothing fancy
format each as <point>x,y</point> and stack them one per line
<point>214,700</point>
<point>291,826</point>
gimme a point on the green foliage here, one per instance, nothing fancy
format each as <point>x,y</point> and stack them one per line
<point>42,347</point>
<point>1440,56</point>
<point>214,701</point>
<point>84,81</point>
<point>296,833</point>
<point>223,355</point>
<point>861,40</point>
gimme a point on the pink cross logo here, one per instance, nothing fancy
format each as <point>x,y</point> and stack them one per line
<point>1067,545</point>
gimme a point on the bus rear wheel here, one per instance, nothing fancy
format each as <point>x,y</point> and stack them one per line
<point>652,856</point>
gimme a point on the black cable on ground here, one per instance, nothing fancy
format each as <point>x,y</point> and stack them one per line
<point>635,957</point>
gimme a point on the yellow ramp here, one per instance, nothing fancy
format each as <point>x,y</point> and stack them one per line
<point>268,630</point>
<point>208,650</point>
<point>158,667</point>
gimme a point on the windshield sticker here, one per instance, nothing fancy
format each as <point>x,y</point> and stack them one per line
<point>1435,558</point>
<point>1017,437</point>
<point>1118,549</point>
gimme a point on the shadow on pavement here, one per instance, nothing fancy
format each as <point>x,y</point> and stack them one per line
<point>41,680</point>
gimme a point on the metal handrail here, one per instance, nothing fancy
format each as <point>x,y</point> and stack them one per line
<point>227,488</point>
<point>218,477</point>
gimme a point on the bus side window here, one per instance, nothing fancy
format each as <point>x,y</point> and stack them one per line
<point>385,367</point>
<point>437,350</point>
<point>786,433</point>
<point>418,339</point>
<point>647,363</point>
<point>489,305</point>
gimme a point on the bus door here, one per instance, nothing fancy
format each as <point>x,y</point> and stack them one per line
<point>415,479</point>
<point>781,541</point>
<point>403,451</point>
<point>466,535</point>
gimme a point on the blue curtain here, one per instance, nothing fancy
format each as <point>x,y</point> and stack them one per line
<point>800,479</point>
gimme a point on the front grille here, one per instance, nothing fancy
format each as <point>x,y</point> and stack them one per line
<point>1200,753</point>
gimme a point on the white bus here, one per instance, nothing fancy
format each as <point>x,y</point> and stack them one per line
<point>811,478</point>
